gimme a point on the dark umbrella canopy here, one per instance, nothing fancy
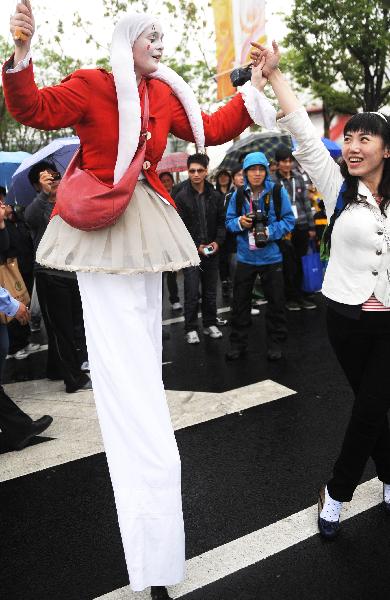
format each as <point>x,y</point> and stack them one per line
<point>255,142</point>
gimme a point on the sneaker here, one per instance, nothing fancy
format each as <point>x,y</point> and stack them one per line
<point>213,332</point>
<point>221,322</point>
<point>307,304</point>
<point>260,302</point>
<point>192,337</point>
<point>293,306</point>
<point>176,306</point>
<point>85,366</point>
<point>254,311</point>
<point>24,352</point>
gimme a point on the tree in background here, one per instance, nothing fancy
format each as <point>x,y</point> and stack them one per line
<point>339,49</point>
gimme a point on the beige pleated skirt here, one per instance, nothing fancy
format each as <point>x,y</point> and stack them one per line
<point>149,237</point>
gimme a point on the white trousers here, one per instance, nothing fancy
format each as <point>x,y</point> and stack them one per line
<point>122,316</point>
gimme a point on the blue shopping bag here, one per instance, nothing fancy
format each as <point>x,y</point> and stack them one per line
<point>312,270</point>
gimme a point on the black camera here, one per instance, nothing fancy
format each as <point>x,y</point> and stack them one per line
<point>241,75</point>
<point>260,222</point>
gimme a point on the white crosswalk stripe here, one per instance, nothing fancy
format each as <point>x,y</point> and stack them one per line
<point>76,429</point>
<point>252,548</point>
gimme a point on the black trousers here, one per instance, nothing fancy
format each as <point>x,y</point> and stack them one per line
<point>275,316</point>
<point>171,278</point>
<point>292,263</point>
<point>207,276</point>
<point>62,312</point>
<point>363,350</point>
<point>13,421</point>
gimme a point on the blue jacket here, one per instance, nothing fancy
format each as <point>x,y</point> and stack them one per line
<point>270,254</point>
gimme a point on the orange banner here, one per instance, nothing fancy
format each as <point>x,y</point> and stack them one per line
<point>237,23</point>
<point>224,34</point>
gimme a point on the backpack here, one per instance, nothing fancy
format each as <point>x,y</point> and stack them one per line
<point>326,239</point>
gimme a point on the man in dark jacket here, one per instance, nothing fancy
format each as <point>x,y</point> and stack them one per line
<point>201,208</point>
<point>303,231</point>
<point>58,291</point>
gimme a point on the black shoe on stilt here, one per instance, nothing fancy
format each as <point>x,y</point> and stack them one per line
<point>159,592</point>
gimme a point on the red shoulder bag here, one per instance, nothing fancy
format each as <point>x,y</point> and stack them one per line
<point>85,202</point>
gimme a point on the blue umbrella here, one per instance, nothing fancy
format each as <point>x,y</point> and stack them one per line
<point>9,162</point>
<point>59,152</point>
<point>333,148</point>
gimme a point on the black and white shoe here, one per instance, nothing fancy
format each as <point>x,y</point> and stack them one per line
<point>328,529</point>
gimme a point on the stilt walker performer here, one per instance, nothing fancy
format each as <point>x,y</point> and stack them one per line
<point>119,266</point>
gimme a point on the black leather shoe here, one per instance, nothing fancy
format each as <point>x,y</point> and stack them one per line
<point>274,354</point>
<point>36,428</point>
<point>385,504</point>
<point>159,592</point>
<point>328,529</point>
<point>235,354</point>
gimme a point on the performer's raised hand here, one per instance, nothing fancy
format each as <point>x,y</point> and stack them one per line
<point>258,80</point>
<point>272,57</point>
<point>22,27</point>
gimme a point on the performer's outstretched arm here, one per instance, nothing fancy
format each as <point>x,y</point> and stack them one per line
<point>246,107</point>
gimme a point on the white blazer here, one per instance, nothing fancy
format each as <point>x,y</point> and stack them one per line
<point>359,263</point>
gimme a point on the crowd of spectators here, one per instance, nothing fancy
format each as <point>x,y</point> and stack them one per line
<point>249,275</point>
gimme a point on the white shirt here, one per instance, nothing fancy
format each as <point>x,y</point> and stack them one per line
<point>359,263</point>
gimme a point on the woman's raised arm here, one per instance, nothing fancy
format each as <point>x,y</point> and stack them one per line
<point>311,152</point>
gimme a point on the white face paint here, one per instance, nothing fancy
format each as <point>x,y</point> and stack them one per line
<point>147,50</point>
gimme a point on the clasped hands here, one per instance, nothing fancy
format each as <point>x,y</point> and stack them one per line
<point>264,62</point>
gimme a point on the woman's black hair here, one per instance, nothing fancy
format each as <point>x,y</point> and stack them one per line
<point>223,172</point>
<point>373,124</point>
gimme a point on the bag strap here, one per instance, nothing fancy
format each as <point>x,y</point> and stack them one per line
<point>240,198</point>
<point>340,205</point>
<point>144,98</point>
<point>277,200</point>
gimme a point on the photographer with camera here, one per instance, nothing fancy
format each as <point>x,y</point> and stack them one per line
<point>260,214</point>
<point>201,208</point>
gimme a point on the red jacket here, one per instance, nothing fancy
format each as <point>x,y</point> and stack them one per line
<point>86,100</point>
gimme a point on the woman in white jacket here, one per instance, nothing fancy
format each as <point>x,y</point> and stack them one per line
<point>357,280</point>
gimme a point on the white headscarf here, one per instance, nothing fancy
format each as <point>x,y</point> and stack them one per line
<point>125,34</point>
